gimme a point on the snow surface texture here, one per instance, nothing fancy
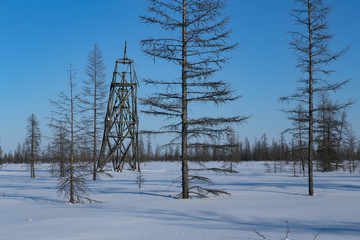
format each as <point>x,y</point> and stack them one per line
<point>31,209</point>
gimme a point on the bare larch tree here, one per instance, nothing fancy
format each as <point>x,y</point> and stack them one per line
<point>94,100</point>
<point>195,39</point>
<point>351,149</point>
<point>311,46</point>
<point>66,122</point>
<point>59,147</point>
<point>1,154</point>
<point>330,126</point>
<point>33,141</point>
<point>298,130</point>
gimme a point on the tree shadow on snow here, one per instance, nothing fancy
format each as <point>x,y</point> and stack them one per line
<point>221,221</point>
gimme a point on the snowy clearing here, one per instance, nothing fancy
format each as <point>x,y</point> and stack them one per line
<point>31,209</point>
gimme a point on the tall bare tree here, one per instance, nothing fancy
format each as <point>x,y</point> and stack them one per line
<point>311,46</point>
<point>195,39</point>
<point>33,141</point>
<point>94,100</point>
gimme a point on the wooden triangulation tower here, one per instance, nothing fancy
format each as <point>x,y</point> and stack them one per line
<point>120,140</point>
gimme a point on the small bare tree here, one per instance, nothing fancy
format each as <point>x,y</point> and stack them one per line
<point>298,116</point>
<point>73,184</point>
<point>140,179</point>
<point>33,141</point>
<point>1,155</point>
<point>351,149</point>
<point>60,147</point>
<point>234,152</point>
<point>262,236</point>
<point>330,125</point>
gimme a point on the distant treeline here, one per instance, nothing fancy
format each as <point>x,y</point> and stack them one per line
<point>260,149</point>
<point>237,150</point>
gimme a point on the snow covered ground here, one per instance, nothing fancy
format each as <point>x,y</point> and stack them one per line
<point>31,209</point>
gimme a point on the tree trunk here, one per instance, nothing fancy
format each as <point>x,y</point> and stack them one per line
<point>185,177</point>
<point>32,148</point>
<point>95,138</point>
<point>310,150</point>
<point>72,191</point>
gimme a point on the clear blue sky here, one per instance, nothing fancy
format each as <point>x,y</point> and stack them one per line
<point>40,38</point>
